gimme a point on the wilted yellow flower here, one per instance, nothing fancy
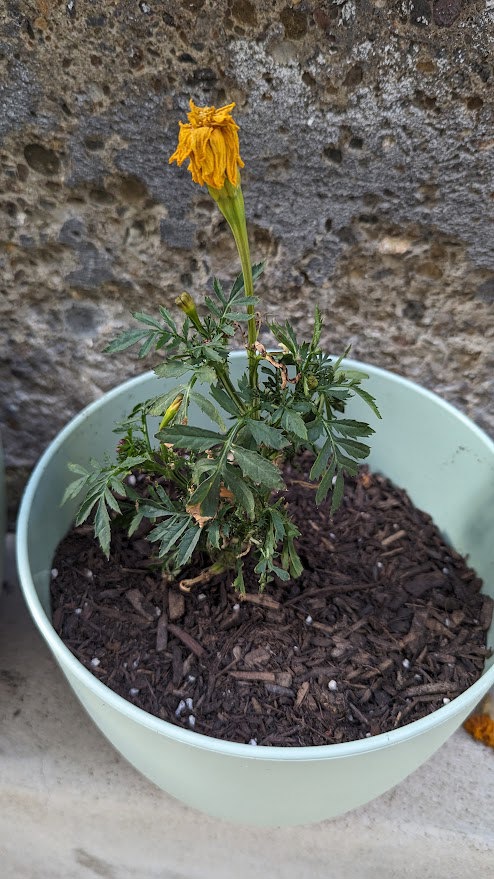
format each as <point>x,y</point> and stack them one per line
<point>210,141</point>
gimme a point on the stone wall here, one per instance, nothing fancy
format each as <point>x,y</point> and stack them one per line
<point>369,149</point>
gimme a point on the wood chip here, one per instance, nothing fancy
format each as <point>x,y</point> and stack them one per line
<point>176,605</point>
<point>265,676</point>
<point>301,693</point>
<point>186,639</point>
<point>393,537</point>
<point>162,633</point>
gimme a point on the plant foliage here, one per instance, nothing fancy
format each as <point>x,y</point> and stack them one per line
<point>218,492</point>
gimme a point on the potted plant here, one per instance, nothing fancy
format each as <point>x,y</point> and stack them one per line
<point>210,486</point>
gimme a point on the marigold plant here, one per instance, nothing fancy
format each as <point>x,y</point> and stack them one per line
<point>214,495</point>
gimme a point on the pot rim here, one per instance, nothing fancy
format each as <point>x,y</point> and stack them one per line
<point>465,701</point>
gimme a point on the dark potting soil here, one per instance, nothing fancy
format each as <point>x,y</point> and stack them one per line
<point>385,625</point>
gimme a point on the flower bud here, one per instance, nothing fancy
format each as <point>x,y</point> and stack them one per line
<point>171,411</point>
<point>188,306</point>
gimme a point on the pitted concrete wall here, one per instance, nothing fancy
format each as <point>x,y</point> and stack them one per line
<point>369,148</point>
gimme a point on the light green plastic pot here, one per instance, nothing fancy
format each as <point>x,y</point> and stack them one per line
<point>445,463</point>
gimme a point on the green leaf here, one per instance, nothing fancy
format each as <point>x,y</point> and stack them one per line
<point>264,433</point>
<point>357,450</point>
<point>112,502</point>
<point>326,483</point>
<point>294,423</point>
<point>148,345</point>
<point>146,319</point>
<point>187,545</point>
<point>73,489</point>
<point>280,572</point>
<point>321,461</point>
<point>223,400</point>
<point>169,532</point>
<point>238,284</point>
<point>171,368</point>
<point>208,408</point>
<point>316,333</point>
<point>369,399</point>
<point>278,523</point>
<point>349,427</point>
<point>296,566</point>
<point>207,495</point>
<point>205,374</point>
<point>185,436</point>
<point>102,527</point>
<point>125,340</point>
<point>213,533</point>
<point>337,492</point>
<point>165,314</point>
<point>243,494</point>
<point>257,468</point>
<point>76,468</point>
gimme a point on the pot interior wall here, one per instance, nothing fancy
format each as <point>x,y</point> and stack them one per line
<point>422,444</point>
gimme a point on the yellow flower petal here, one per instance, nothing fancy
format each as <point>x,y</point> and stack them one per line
<point>210,141</point>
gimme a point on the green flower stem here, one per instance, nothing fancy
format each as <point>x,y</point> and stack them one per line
<point>230,201</point>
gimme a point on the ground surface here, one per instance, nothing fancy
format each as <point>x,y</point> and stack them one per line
<point>71,808</point>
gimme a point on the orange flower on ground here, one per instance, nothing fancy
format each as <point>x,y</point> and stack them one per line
<point>210,141</point>
<point>481,724</point>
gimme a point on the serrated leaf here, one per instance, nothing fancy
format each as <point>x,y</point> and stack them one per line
<point>112,502</point>
<point>369,399</point>
<point>208,408</point>
<point>73,489</point>
<point>146,319</point>
<point>223,400</point>
<point>321,461</point>
<point>261,432</point>
<point>257,468</point>
<point>171,369</point>
<point>278,523</point>
<point>165,314</point>
<point>242,493</point>
<point>102,527</point>
<point>294,423</point>
<point>205,374</point>
<point>296,566</point>
<point>325,483</point>
<point>146,348</point>
<point>218,289</point>
<point>185,436</point>
<point>76,468</point>
<point>187,545</point>
<point>238,284</point>
<point>337,492</point>
<point>280,572</point>
<point>213,532</point>
<point>169,532</point>
<point>316,333</point>
<point>354,448</point>
<point>349,427</point>
<point>207,495</point>
<point>125,340</point>
<point>132,462</point>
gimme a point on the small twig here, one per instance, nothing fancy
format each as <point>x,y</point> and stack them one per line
<point>392,537</point>
<point>186,639</point>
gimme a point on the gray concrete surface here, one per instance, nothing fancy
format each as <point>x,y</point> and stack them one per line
<point>366,130</point>
<point>71,808</point>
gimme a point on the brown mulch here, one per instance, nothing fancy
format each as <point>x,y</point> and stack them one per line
<point>385,625</point>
